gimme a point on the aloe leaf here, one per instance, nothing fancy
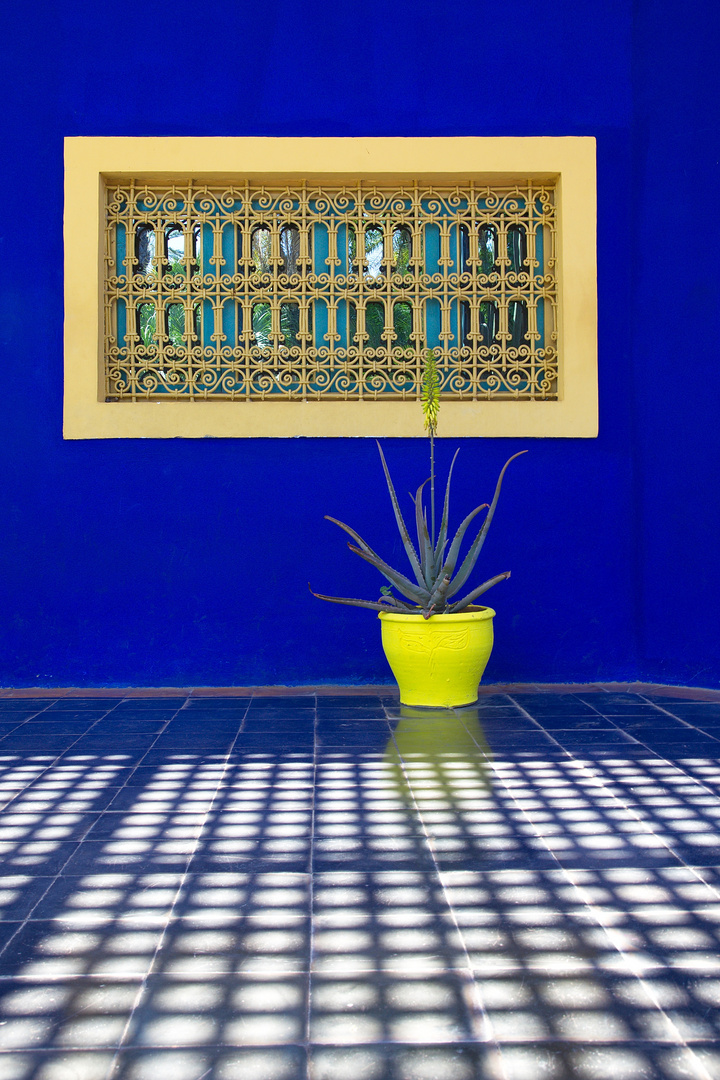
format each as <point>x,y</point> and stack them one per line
<point>401,583</point>
<point>404,534</point>
<point>442,535</point>
<point>454,552</point>
<point>460,605</point>
<point>424,543</point>
<point>351,532</point>
<point>402,604</point>
<point>404,584</point>
<point>437,597</point>
<point>471,558</point>
<point>359,603</point>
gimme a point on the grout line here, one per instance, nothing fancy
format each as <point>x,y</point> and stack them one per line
<point>685,723</point>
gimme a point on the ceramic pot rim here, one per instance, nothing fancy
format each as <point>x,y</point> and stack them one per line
<point>454,617</point>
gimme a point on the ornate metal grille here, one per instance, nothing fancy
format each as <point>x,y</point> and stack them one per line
<point>242,292</point>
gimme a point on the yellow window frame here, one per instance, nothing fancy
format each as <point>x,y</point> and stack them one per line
<point>569,163</point>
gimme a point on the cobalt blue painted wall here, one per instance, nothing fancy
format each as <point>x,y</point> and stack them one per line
<point>675,303</point>
<point>170,562</point>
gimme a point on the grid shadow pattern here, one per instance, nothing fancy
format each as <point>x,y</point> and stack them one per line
<point>337,887</point>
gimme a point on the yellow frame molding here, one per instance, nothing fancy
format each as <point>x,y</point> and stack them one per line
<point>89,161</point>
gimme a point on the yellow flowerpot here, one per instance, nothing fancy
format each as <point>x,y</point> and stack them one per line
<point>438,662</point>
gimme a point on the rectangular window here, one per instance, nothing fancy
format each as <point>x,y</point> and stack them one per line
<point>324,293</point>
<point>280,287</point>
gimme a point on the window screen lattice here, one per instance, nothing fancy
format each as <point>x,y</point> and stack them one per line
<point>245,292</point>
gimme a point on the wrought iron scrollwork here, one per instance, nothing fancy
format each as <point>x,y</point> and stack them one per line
<point>303,293</point>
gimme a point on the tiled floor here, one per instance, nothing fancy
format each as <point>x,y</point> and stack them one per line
<point>338,888</point>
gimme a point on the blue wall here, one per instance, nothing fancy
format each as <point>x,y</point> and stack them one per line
<point>185,562</point>
<point>675,303</point>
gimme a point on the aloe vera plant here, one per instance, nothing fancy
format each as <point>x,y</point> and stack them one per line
<point>434,565</point>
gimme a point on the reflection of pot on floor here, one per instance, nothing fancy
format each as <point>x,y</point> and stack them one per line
<point>426,745</point>
<point>438,661</point>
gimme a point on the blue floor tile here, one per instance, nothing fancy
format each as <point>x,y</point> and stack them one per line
<point>311,887</point>
<point>219,704</point>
